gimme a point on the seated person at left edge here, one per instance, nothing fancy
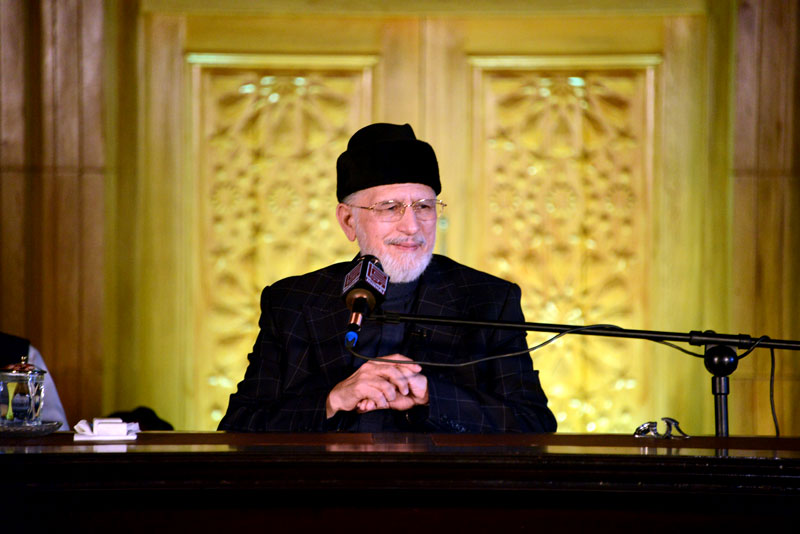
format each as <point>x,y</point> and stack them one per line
<point>301,377</point>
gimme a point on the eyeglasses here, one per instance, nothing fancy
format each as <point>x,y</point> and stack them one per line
<point>426,209</point>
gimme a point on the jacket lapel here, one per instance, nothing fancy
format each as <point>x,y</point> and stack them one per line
<point>326,320</point>
<point>438,296</point>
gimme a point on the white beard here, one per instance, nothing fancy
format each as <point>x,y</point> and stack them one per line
<point>401,269</point>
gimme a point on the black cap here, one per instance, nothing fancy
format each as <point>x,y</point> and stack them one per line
<point>382,154</point>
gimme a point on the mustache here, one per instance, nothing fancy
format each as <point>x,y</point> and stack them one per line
<point>416,239</point>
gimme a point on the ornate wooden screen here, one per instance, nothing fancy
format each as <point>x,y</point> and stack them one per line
<point>563,149</point>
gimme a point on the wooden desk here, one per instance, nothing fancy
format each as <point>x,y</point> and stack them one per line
<point>399,482</point>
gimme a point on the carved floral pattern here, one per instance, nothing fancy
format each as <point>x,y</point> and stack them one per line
<point>267,153</point>
<point>565,170</point>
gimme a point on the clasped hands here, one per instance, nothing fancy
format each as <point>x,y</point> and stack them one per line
<point>379,385</point>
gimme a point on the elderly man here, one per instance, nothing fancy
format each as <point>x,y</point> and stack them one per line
<point>301,377</point>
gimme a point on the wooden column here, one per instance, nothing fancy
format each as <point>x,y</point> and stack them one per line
<point>15,133</point>
<point>52,192</point>
<point>766,258</point>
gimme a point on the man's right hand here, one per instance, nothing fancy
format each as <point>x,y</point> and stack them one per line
<point>376,382</point>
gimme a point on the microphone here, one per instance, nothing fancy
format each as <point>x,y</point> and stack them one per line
<point>364,288</point>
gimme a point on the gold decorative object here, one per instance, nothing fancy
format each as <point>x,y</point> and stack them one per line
<point>563,153</point>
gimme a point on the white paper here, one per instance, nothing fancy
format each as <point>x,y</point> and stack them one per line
<point>108,429</point>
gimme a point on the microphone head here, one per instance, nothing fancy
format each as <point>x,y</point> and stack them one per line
<point>365,280</point>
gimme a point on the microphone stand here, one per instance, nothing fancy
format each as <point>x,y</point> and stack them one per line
<point>720,356</point>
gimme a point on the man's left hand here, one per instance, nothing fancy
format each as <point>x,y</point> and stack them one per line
<point>417,391</point>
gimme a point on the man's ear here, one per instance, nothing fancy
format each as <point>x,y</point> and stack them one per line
<point>346,217</point>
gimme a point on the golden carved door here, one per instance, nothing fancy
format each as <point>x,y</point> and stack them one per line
<point>551,134</point>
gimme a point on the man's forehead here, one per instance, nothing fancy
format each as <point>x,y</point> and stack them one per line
<point>403,191</point>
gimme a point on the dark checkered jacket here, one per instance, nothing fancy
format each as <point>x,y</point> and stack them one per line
<point>299,356</point>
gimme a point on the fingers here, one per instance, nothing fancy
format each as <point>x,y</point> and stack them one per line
<point>397,380</point>
<point>397,374</point>
<point>389,374</point>
<point>346,395</point>
<point>417,395</point>
<point>379,385</point>
<point>366,405</point>
<point>418,386</point>
<point>406,368</point>
<point>402,403</point>
<point>378,392</point>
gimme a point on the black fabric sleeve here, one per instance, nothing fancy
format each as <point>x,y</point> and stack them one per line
<point>278,393</point>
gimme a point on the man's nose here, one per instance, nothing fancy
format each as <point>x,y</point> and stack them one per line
<point>408,222</point>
